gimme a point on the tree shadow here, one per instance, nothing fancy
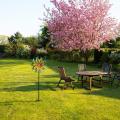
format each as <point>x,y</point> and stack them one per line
<point>107,92</point>
<point>111,92</point>
<point>9,62</point>
<point>33,87</point>
<point>49,76</point>
<point>8,103</point>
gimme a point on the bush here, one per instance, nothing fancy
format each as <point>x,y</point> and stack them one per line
<point>73,56</point>
<point>9,51</point>
<point>23,51</point>
<point>2,48</point>
<point>114,58</point>
<point>53,55</point>
<point>97,56</point>
<point>41,53</point>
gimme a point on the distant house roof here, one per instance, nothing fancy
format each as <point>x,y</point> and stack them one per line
<point>3,40</point>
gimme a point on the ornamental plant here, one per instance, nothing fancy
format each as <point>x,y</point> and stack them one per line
<point>38,66</point>
<point>81,24</point>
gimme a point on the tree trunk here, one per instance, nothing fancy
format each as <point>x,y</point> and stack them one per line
<point>85,55</point>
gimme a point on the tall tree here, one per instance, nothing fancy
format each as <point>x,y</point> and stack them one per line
<point>81,24</point>
<point>16,38</point>
<point>32,41</point>
<point>44,36</point>
<point>14,41</point>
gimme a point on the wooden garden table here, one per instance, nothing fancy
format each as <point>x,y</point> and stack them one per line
<point>90,75</point>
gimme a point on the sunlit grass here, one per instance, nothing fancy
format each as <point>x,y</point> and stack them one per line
<point>18,95</point>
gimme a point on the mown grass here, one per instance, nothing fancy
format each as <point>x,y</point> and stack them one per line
<point>18,95</point>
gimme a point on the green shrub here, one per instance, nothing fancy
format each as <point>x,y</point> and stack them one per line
<point>9,50</point>
<point>73,56</point>
<point>23,51</point>
<point>115,58</point>
<point>97,56</point>
<point>105,57</point>
<point>2,48</point>
<point>41,53</point>
<point>54,55</point>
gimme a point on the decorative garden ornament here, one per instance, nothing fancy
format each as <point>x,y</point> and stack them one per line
<point>38,66</point>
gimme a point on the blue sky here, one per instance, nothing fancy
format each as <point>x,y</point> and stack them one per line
<point>23,15</point>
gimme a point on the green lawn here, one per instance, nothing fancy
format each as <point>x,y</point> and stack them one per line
<point>18,94</point>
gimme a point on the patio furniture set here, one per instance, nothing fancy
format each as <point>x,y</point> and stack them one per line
<point>85,76</point>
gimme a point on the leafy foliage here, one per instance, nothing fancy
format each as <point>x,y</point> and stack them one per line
<point>112,43</point>
<point>22,47</point>
<point>32,41</point>
<point>44,37</point>
<point>14,42</point>
<point>16,38</point>
<point>23,51</point>
<point>81,24</point>
<point>115,58</point>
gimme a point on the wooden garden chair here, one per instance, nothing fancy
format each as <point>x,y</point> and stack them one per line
<point>67,79</point>
<point>107,78</point>
<point>81,67</point>
<point>106,67</point>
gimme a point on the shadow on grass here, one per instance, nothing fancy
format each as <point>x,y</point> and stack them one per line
<point>14,62</point>
<point>111,92</point>
<point>49,76</point>
<point>19,101</point>
<point>106,92</point>
<point>34,87</point>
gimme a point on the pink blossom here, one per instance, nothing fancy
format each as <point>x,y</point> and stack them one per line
<point>81,25</point>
